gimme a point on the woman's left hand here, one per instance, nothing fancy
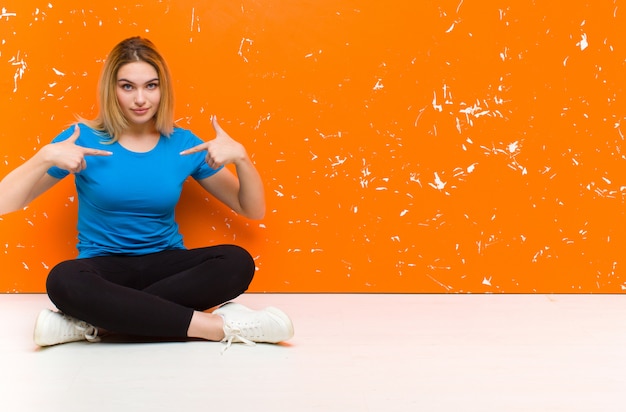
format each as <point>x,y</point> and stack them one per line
<point>222,150</point>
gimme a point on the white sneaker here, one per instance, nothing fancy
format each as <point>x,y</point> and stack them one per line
<point>248,326</point>
<point>53,328</point>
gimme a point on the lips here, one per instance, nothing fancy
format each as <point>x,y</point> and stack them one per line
<point>140,112</point>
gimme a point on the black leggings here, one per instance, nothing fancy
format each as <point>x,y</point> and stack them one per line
<point>152,295</point>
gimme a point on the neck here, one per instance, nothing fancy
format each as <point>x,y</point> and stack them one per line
<point>142,130</point>
<point>140,138</point>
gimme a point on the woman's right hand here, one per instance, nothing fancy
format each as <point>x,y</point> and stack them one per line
<point>68,155</point>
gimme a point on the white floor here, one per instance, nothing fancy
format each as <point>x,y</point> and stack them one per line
<point>350,353</point>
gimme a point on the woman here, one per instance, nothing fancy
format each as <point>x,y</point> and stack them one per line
<point>133,275</point>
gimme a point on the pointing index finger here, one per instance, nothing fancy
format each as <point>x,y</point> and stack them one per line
<point>195,149</point>
<point>96,152</point>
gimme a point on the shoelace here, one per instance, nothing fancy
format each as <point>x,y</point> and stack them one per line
<point>90,332</point>
<point>231,333</point>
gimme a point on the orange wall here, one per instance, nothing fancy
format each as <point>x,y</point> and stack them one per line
<point>408,146</point>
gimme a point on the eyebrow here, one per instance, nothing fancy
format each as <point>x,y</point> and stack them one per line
<point>156,79</point>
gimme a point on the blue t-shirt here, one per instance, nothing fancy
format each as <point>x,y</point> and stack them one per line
<point>126,201</point>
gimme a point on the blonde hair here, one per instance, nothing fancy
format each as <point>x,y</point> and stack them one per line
<point>111,119</point>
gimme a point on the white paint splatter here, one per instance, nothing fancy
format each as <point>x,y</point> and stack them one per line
<point>583,44</point>
<point>438,183</point>
<point>503,55</point>
<point>338,161</point>
<point>436,106</point>
<point>513,147</point>
<point>249,43</point>
<point>458,7</point>
<point>446,287</point>
<point>19,71</point>
<point>414,177</point>
<point>6,14</point>
<point>475,111</point>
<point>418,116</point>
<point>326,136</point>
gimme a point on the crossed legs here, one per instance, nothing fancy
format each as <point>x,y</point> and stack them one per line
<point>159,295</point>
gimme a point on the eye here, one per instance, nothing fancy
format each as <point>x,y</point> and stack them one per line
<point>152,86</point>
<point>126,86</point>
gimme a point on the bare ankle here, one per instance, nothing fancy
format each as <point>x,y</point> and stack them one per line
<point>206,326</point>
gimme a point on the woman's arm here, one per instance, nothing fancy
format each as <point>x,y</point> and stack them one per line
<point>243,193</point>
<point>29,180</point>
<point>24,184</point>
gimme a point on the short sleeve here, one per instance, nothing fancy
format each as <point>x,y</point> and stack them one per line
<point>54,171</point>
<point>205,171</point>
<point>202,170</point>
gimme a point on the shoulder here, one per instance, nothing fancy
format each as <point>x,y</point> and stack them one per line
<point>182,133</point>
<point>184,137</point>
<point>86,134</point>
<point>88,131</point>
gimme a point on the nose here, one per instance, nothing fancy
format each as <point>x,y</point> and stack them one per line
<point>139,98</point>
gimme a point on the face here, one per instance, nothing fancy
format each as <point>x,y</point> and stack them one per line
<point>138,92</point>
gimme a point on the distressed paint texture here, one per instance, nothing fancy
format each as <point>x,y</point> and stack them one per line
<point>430,146</point>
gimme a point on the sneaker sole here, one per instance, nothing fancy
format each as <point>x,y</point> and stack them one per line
<point>38,333</point>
